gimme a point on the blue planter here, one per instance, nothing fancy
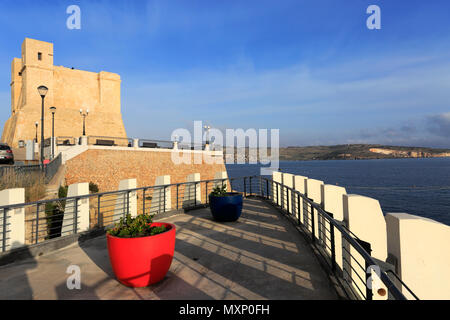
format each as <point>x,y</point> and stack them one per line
<point>226,209</point>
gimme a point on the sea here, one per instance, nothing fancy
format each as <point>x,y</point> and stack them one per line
<point>415,186</point>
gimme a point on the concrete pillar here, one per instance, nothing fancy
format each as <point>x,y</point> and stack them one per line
<point>420,248</point>
<point>126,202</point>
<point>157,205</point>
<point>221,175</point>
<point>15,218</point>
<point>84,140</point>
<point>364,218</point>
<point>314,192</point>
<point>175,145</point>
<point>333,202</point>
<point>81,206</point>
<point>192,194</point>
<point>288,181</point>
<point>300,185</point>
<point>276,196</point>
<point>30,151</point>
<point>135,143</point>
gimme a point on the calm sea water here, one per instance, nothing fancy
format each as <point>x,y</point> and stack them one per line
<point>416,186</point>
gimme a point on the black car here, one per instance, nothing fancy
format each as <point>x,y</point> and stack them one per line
<point>6,154</point>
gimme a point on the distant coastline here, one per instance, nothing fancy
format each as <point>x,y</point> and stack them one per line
<point>351,152</point>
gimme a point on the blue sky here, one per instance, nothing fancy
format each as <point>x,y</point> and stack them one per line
<point>309,68</point>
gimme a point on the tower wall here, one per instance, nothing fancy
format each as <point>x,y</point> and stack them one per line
<point>69,91</point>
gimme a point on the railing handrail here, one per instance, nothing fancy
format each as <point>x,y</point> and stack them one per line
<point>18,205</point>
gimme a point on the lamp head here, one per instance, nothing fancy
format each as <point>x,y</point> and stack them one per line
<point>42,91</point>
<point>53,109</point>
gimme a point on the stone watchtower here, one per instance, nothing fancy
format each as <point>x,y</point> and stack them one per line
<point>69,91</point>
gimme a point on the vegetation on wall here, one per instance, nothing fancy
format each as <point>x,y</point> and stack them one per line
<point>32,182</point>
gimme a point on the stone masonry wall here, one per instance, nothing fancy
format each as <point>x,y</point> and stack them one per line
<point>107,167</point>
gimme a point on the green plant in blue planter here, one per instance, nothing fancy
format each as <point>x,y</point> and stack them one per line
<point>225,206</point>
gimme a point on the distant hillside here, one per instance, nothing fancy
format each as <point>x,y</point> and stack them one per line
<point>356,151</point>
<point>359,151</point>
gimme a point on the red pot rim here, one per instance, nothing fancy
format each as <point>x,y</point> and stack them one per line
<point>172,227</point>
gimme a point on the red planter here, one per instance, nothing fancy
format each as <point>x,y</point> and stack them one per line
<point>140,262</point>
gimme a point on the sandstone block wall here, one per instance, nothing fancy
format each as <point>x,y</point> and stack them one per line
<point>107,168</point>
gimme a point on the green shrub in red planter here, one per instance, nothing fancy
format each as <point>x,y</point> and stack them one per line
<point>140,250</point>
<point>225,206</point>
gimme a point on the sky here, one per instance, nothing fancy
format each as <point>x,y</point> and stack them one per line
<point>311,69</point>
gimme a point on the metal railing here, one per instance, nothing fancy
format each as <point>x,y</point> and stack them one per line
<point>128,142</point>
<point>66,141</point>
<point>110,141</point>
<point>48,219</point>
<point>354,271</point>
<point>19,169</point>
<point>52,167</point>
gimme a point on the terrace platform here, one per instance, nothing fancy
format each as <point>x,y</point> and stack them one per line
<point>261,256</point>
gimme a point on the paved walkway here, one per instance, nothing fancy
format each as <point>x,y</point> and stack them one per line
<point>261,256</point>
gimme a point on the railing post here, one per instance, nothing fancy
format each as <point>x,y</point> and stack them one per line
<point>267,189</point>
<point>245,187</point>
<point>277,193</point>
<point>37,224</point>
<point>287,200</point>
<point>143,201</point>
<point>75,216</point>
<point>260,187</point>
<point>250,182</point>
<point>195,194</point>
<point>298,208</point>
<point>312,225</point>
<point>177,195</point>
<point>332,245</point>
<point>164,194</point>
<point>366,246</point>
<point>5,219</point>
<point>128,202</point>
<point>99,215</point>
<point>206,192</point>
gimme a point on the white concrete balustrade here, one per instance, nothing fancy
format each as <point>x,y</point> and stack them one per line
<point>15,222</point>
<point>418,246</point>
<point>78,206</point>
<point>159,204</point>
<point>276,188</point>
<point>192,192</point>
<point>126,202</point>
<point>314,192</point>
<point>333,203</point>
<point>421,249</point>
<point>300,183</point>
<point>288,181</point>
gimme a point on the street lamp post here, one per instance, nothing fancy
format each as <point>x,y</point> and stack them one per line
<point>84,120</point>
<point>36,125</point>
<point>42,92</point>
<point>207,128</point>
<point>53,109</point>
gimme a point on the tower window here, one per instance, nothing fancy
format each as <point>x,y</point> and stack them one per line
<point>39,56</point>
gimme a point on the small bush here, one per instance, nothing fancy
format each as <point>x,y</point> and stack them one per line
<point>140,226</point>
<point>93,188</point>
<point>219,191</point>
